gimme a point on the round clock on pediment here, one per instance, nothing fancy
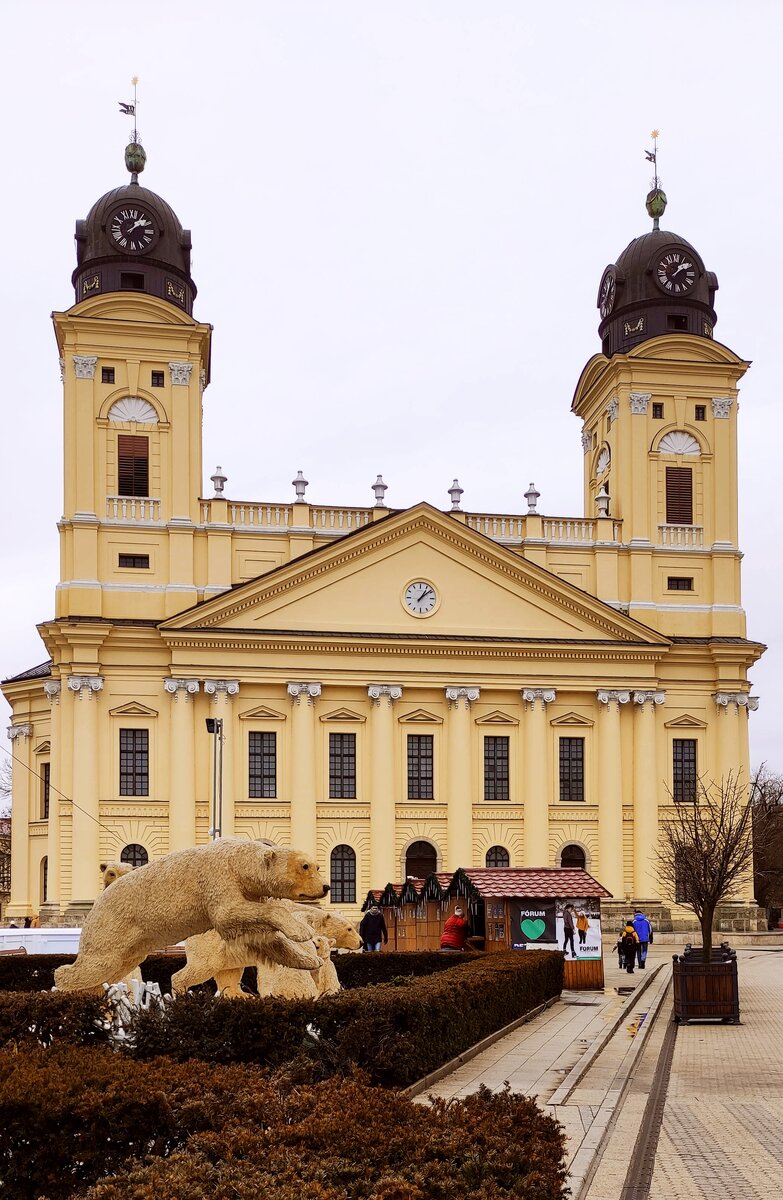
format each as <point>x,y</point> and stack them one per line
<point>420,598</point>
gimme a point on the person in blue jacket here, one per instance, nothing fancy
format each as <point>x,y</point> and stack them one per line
<point>644,933</point>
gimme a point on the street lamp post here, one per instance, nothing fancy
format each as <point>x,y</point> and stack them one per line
<point>215,727</point>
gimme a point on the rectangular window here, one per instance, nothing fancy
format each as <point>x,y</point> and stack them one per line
<point>133,465</point>
<point>45,776</point>
<point>262,773</point>
<point>701,412</point>
<point>496,768</point>
<point>107,374</point>
<point>131,282</point>
<point>139,561</point>
<point>657,410</point>
<point>158,379</point>
<point>679,583</point>
<point>134,762</point>
<point>572,768</point>
<point>677,321</point>
<point>342,766</point>
<point>684,770</point>
<point>420,772</point>
<point>679,496</point>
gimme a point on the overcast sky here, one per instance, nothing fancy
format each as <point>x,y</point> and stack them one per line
<point>401,212</point>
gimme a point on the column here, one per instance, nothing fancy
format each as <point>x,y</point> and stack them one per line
<point>220,692</point>
<point>85,854</point>
<point>51,908</point>
<point>303,766</point>
<point>21,741</point>
<point>182,766</point>
<point>729,757</point>
<point>383,797</point>
<point>459,811</point>
<point>537,795</point>
<point>610,793</point>
<point>645,795</point>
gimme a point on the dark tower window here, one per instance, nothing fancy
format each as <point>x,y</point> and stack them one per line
<point>131,282</point>
<point>342,875</point>
<point>107,374</point>
<point>679,496</point>
<point>45,777</point>
<point>158,379</point>
<point>134,854</point>
<point>133,465</point>
<point>657,412</point>
<point>420,861</point>
<point>676,321</point>
<point>573,856</point>
<point>497,856</point>
<point>680,583</point>
<point>701,413</point>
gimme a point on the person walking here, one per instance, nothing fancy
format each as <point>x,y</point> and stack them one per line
<point>582,926</point>
<point>644,933</point>
<point>630,941</point>
<point>455,931</point>
<point>568,929</point>
<point>372,929</point>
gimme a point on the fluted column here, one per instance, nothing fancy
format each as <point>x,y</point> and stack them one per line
<point>537,795</point>
<point>21,742</point>
<point>182,767</point>
<point>383,866</point>
<point>645,795</point>
<point>221,692</point>
<point>732,707</point>
<point>86,854</point>
<point>303,766</point>
<point>51,907</point>
<point>610,793</point>
<point>459,836</point>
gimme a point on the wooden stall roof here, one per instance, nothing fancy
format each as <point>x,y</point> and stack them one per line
<point>480,883</point>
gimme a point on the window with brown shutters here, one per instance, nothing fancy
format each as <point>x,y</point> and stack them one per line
<point>133,465</point>
<point>679,496</point>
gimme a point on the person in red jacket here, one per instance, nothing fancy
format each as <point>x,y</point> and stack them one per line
<point>455,932</point>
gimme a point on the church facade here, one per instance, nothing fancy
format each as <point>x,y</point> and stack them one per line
<point>395,691</point>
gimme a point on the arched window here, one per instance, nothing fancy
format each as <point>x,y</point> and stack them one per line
<point>497,856</point>
<point>573,856</point>
<point>44,878</point>
<point>342,875</point>
<point>135,854</point>
<point>421,860</point>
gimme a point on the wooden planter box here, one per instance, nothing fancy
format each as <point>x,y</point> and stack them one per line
<point>705,991</point>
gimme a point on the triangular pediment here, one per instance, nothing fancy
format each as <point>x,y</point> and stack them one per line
<point>571,718</point>
<point>261,713</point>
<point>686,722</point>
<point>496,718</point>
<point>420,716</point>
<point>43,748</point>
<point>358,585</point>
<point>133,709</point>
<point>342,714</point>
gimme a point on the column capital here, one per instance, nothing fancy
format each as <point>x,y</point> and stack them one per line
<point>309,690</point>
<point>181,372</point>
<point>587,439</point>
<point>187,687</point>
<point>19,731</point>
<point>607,696</point>
<point>639,401</point>
<point>738,699</point>
<point>52,689</point>
<point>217,687</point>
<point>545,695</point>
<point>85,684</point>
<point>721,407</point>
<point>468,694</point>
<point>642,698</point>
<point>85,365</point>
<point>392,691</point>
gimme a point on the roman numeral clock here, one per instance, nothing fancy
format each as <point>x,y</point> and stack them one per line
<point>133,229</point>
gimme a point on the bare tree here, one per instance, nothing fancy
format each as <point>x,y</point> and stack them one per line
<point>705,849</point>
<point>768,839</point>
<point>5,785</point>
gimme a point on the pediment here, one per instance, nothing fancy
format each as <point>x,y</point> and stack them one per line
<point>572,718</point>
<point>342,714</point>
<point>43,748</point>
<point>420,716</point>
<point>686,722</point>
<point>357,584</point>
<point>261,713</point>
<point>496,718</point>
<point>133,709</point>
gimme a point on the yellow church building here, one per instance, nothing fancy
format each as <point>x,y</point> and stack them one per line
<point>394,691</point>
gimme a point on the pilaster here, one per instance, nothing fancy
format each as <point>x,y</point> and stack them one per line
<point>182,753</point>
<point>459,835</point>
<point>221,693</point>
<point>610,792</point>
<point>50,908</point>
<point>84,692</point>
<point>20,735</point>
<point>382,697</point>
<point>304,795</point>
<point>645,795</point>
<point>534,704</point>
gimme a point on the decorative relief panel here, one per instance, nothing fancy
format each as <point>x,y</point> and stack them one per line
<point>639,401</point>
<point>84,365</point>
<point>180,372</point>
<point>721,407</point>
<point>133,408</point>
<point>587,439</point>
<point>679,442</point>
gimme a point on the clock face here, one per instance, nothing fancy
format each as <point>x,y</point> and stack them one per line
<point>132,229</point>
<point>420,598</point>
<point>607,294</point>
<point>675,272</point>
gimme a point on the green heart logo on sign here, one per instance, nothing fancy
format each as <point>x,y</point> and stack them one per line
<point>533,929</point>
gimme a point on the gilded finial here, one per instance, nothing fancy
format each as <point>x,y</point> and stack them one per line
<point>135,155</point>
<point>656,197</point>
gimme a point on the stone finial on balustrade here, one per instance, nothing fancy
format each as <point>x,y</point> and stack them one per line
<point>379,488</point>
<point>532,497</point>
<point>455,492</point>
<point>218,481</point>
<point>300,485</point>
<point>602,502</point>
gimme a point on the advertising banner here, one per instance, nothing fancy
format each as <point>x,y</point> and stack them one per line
<point>587,939</point>
<point>541,925</point>
<point>533,923</point>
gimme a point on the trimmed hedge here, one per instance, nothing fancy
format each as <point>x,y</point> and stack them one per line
<point>70,1117</point>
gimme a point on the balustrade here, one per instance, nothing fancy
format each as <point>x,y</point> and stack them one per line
<point>133,508</point>
<point>681,537</point>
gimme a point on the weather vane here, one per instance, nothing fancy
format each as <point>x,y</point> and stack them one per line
<point>656,197</point>
<point>135,155</point>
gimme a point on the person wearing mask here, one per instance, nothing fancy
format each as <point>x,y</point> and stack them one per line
<point>372,929</point>
<point>455,931</point>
